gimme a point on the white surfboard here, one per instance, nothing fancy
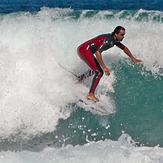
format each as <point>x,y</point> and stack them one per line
<point>95,107</point>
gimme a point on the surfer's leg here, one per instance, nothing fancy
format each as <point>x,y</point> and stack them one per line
<point>88,58</point>
<point>86,74</point>
<point>95,81</point>
<point>91,61</point>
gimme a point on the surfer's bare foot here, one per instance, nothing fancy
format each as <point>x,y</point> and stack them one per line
<point>92,97</point>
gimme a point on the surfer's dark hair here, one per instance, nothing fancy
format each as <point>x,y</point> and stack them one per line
<point>117,30</point>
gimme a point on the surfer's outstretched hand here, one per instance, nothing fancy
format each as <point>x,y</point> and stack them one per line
<point>134,60</point>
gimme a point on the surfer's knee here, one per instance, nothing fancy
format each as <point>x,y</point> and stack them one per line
<point>99,73</point>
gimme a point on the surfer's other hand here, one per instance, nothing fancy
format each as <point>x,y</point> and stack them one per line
<point>107,71</point>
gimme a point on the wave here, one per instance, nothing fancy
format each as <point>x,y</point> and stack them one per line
<point>35,91</point>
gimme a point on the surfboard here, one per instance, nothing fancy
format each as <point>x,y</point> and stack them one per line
<point>100,107</point>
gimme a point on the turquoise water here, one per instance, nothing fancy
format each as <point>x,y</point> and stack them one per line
<point>139,105</point>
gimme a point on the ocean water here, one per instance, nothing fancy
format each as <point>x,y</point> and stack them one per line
<point>41,120</point>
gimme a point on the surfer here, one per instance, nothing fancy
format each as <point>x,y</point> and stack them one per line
<point>90,52</point>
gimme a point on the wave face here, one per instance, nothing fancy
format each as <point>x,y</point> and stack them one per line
<point>38,98</point>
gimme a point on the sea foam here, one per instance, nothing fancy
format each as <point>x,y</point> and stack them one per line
<point>122,151</point>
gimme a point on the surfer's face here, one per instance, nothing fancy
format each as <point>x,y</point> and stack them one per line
<point>120,36</point>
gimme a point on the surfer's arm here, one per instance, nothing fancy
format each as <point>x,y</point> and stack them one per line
<point>101,62</point>
<point>127,51</point>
